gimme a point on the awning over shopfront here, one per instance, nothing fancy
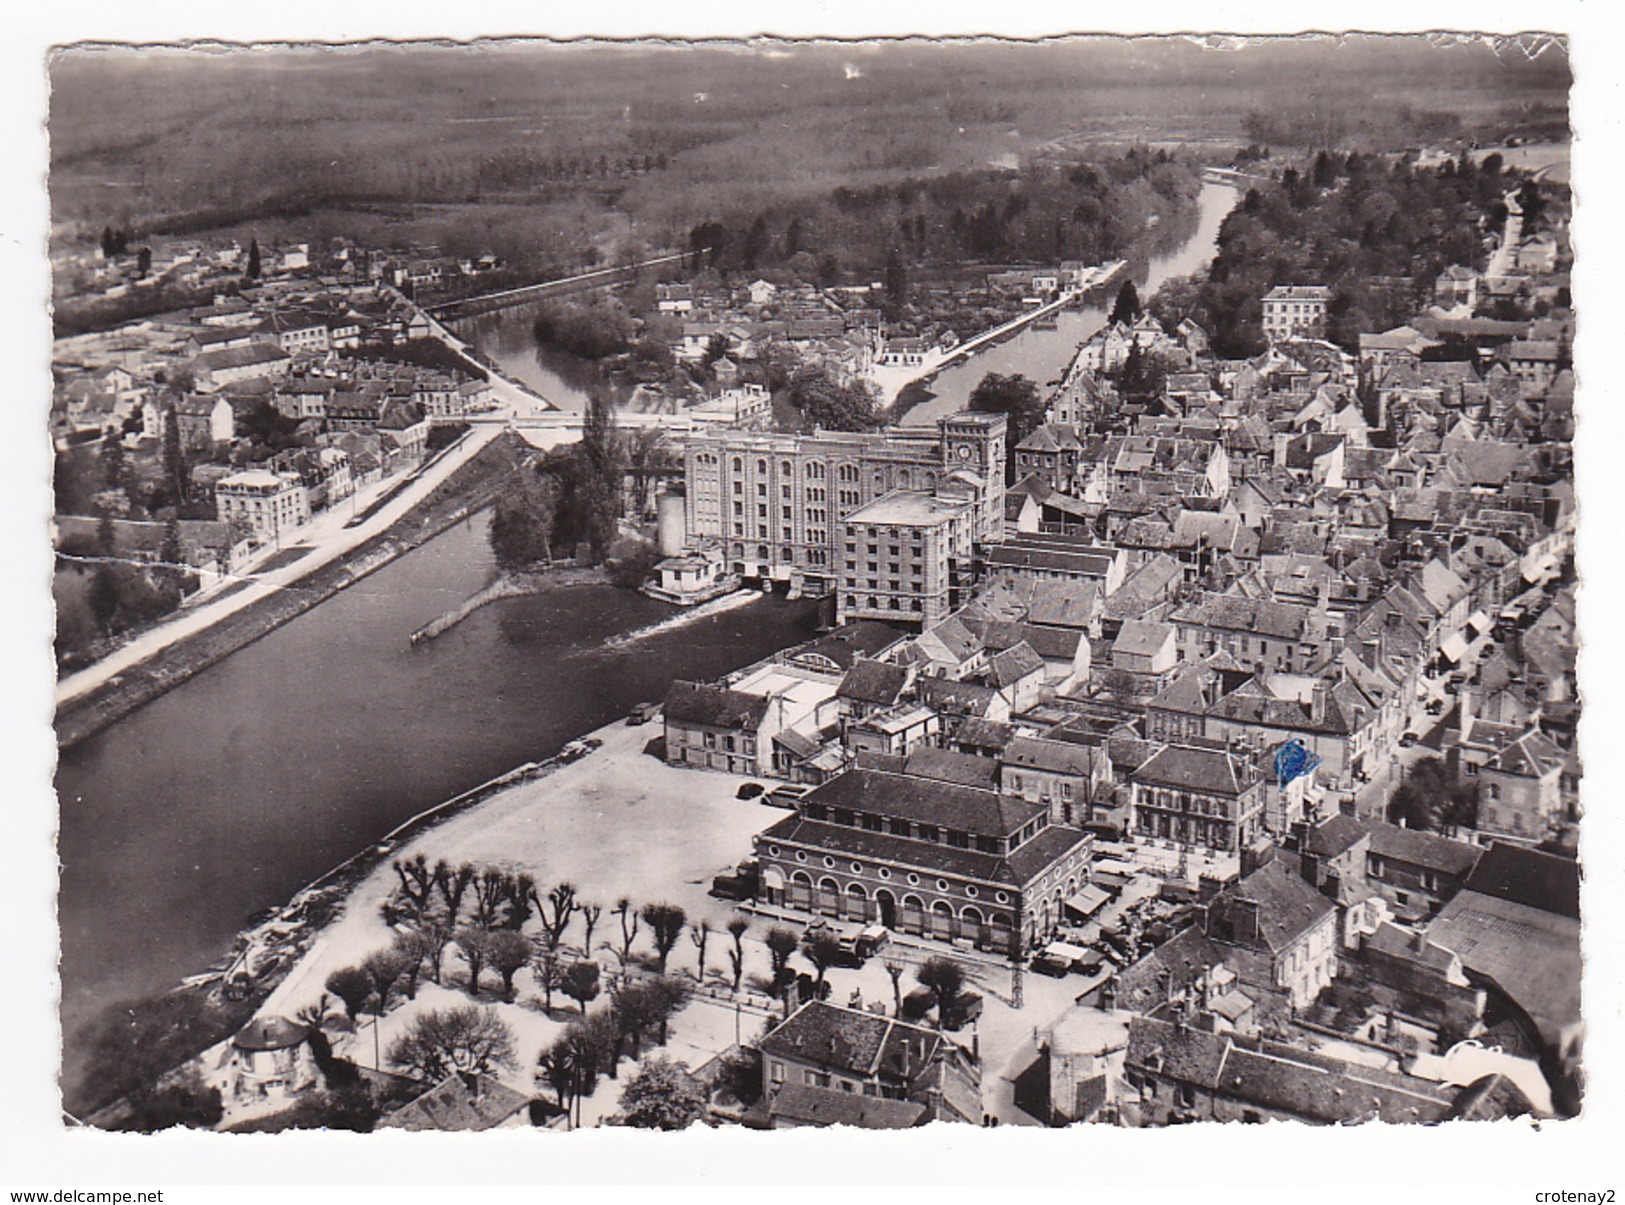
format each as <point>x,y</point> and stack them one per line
<point>1454,647</point>
<point>1479,622</point>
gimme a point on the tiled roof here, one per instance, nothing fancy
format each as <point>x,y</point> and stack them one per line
<point>714,706</point>
<point>877,682</point>
<point>1531,877</point>
<point>926,800</point>
<point>804,1104</point>
<point>1194,769</point>
<point>459,1103</point>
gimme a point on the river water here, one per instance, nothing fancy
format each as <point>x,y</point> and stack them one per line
<point>1041,353</point>
<point>232,791</point>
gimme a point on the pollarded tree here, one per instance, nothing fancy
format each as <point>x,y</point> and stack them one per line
<point>946,978</point>
<point>629,927</point>
<point>894,971</point>
<point>454,885</point>
<point>666,922</point>
<point>385,968</point>
<point>662,1096</point>
<point>414,945</point>
<point>464,1038</point>
<point>737,928</point>
<point>561,906</point>
<point>580,983</point>
<point>508,952</point>
<point>781,943</point>
<point>823,950</point>
<point>353,986</point>
<point>589,921</point>
<point>475,943</point>
<point>700,934</point>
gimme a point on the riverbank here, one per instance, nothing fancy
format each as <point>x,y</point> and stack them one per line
<point>471,488</point>
<point>199,1013</point>
<point>512,585</point>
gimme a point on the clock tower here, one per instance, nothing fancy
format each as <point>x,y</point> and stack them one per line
<point>975,442</point>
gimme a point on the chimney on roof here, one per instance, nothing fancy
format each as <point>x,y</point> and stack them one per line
<point>1317,701</point>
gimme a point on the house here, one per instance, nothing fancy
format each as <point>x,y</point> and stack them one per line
<point>214,370</point>
<point>1296,311</point>
<point>1418,872</point>
<point>674,298</point>
<point>463,1102</point>
<point>1516,926</point>
<point>1206,800</point>
<point>1179,1072</point>
<point>1456,286</point>
<point>1520,795</point>
<point>203,420</point>
<point>1061,775</point>
<point>273,505</point>
<point>827,1065</point>
<point>1049,557</point>
<point>961,864</point>
<point>270,1059</point>
<point>1274,913</point>
<point>713,727</point>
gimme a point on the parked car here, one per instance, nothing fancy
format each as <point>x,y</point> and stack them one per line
<point>786,795</point>
<point>1435,707</point>
<point>642,714</point>
<point>1052,965</point>
<point>1409,740</point>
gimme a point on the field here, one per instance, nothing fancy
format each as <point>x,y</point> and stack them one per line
<point>524,148</point>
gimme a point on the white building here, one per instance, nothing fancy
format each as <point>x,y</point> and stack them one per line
<point>272,504</point>
<point>1296,311</point>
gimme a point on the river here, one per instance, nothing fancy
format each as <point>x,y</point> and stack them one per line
<point>233,790</point>
<point>507,339</point>
<point>1041,353</point>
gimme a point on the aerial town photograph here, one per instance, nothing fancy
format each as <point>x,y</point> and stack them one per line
<point>788,583</point>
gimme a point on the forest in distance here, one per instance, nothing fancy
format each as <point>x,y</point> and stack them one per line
<point>521,148</point>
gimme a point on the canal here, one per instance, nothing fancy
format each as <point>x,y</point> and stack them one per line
<point>233,790</point>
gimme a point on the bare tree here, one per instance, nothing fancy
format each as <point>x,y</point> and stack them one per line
<point>384,968</point>
<point>492,889</point>
<point>561,906</point>
<point>700,934</point>
<point>417,883</point>
<point>629,927</point>
<point>508,953</point>
<point>666,923</point>
<point>465,1038</point>
<point>548,968</point>
<point>454,885</point>
<point>436,937</point>
<point>737,928</point>
<point>589,920</point>
<point>313,1015</point>
<point>580,983</point>
<point>353,986</point>
<point>895,970</point>
<point>413,945</point>
<point>474,942</point>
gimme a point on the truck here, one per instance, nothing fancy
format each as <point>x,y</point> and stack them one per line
<point>743,882</point>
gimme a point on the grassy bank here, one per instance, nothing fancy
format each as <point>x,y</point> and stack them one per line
<point>470,489</point>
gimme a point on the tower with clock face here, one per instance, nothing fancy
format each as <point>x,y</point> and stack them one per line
<point>975,442</point>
